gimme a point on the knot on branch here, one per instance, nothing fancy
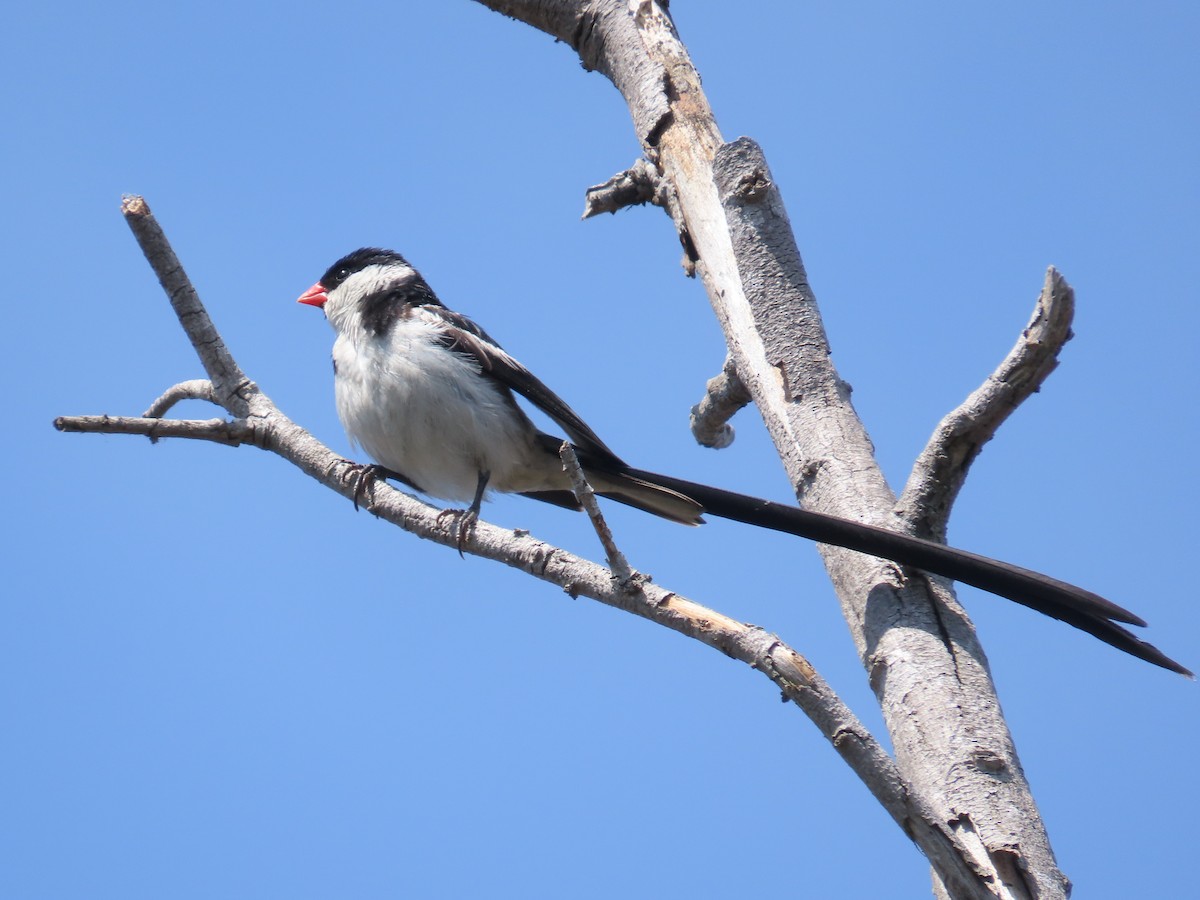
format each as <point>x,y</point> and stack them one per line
<point>635,186</point>
<point>724,395</point>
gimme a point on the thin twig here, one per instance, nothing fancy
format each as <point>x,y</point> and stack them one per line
<point>196,389</point>
<point>941,469</point>
<point>642,183</point>
<point>232,433</point>
<point>587,499</point>
<point>226,376</point>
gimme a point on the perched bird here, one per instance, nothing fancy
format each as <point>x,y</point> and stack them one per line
<point>429,396</point>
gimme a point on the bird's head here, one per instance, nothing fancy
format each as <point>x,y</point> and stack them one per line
<point>367,290</point>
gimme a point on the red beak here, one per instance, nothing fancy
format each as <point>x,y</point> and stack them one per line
<point>314,296</point>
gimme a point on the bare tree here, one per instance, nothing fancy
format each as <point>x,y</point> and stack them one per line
<point>955,786</point>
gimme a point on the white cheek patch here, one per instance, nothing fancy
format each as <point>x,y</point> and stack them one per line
<point>342,307</point>
<point>373,279</point>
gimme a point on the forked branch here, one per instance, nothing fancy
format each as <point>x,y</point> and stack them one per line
<point>942,467</point>
<point>258,422</point>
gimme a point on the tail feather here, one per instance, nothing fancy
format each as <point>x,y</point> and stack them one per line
<point>649,496</point>
<point>1083,609</point>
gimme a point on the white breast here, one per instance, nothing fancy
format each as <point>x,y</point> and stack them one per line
<point>428,414</point>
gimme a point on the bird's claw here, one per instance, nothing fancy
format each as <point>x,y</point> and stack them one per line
<point>462,527</point>
<point>363,478</point>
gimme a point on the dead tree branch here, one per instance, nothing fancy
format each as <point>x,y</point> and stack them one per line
<point>636,185</point>
<point>197,389</point>
<point>228,381</point>
<point>230,432</point>
<point>587,499</point>
<point>956,786</point>
<point>924,661</point>
<point>266,427</point>
<point>942,467</point>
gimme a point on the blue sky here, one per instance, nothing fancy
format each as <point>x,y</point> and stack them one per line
<point>221,681</point>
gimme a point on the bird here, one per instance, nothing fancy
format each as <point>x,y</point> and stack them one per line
<point>431,398</point>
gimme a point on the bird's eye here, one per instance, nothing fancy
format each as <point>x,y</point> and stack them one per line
<point>343,274</point>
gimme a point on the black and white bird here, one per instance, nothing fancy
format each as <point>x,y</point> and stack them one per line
<point>429,396</point>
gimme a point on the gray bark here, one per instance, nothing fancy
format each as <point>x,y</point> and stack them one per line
<point>928,671</point>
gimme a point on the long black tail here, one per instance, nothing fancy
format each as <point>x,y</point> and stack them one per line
<point>1086,611</point>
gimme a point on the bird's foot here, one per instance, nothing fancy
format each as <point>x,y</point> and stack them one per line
<point>465,519</point>
<point>363,478</point>
<point>462,526</point>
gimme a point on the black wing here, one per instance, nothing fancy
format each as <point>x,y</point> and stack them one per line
<point>464,336</point>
